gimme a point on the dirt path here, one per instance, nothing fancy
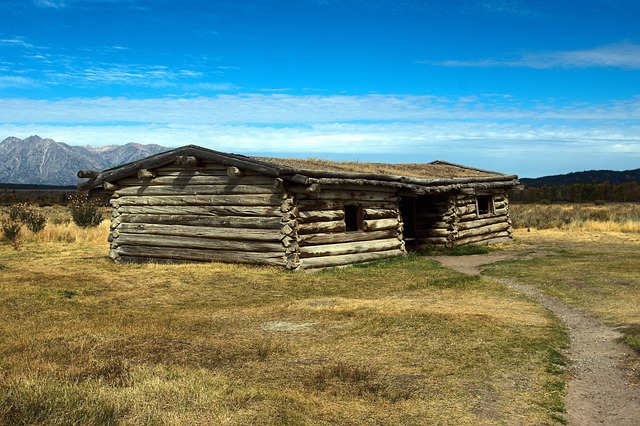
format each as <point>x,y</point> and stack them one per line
<point>600,390</point>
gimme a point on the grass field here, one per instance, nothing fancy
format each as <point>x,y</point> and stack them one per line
<point>85,341</point>
<point>594,271</point>
<point>403,341</point>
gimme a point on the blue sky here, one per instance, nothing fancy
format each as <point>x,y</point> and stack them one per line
<point>527,87</point>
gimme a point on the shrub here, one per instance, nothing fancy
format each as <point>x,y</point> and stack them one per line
<point>27,215</point>
<point>85,212</point>
<point>11,232</point>
<point>35,221</point>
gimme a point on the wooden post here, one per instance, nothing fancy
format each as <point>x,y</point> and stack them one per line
<point>87,174</point>
<point>186,160</point>
<point>234,171</point>
<point>146,174</point>
<point>110,186</point>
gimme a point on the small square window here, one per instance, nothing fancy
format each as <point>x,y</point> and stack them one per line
<point>484,205</point>
<point>353,219</point>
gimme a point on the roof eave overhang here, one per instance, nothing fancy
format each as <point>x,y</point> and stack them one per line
<point>307,177</point>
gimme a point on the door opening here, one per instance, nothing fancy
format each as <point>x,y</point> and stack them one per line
<point>408,213</point>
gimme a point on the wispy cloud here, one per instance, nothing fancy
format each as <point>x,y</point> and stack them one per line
<point>622,55</point>
<point>277,109</point>
<point>59,4</point>
<point>54,4</point>
<point>16,42</point>
<point>489,131</point>
<point>7,81</point>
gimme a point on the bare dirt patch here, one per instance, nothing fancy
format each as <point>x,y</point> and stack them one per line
<point>601,388</point>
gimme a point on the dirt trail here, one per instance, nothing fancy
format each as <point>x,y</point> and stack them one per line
<point>600,390</point>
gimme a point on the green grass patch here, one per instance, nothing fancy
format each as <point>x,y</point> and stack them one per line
<point>631,336</point>
<point>463,250</point>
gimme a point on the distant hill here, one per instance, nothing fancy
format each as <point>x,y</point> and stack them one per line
<point>586,177</point>
<point>38,161</point>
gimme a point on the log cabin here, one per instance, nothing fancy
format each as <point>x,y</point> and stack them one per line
<point>196,204</point>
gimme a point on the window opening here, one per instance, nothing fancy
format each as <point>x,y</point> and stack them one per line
<point>484,205</point>
<point>353,218</point>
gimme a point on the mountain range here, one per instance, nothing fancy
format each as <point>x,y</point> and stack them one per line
<point>46,162</point>
<point>38,161</point>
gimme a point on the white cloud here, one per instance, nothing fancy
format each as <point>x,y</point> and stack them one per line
<point>486,131</point>
<point>277,109</point>
<point>13,81</point>
<point>16,41</point>
<point>55,4</point>
<point>623,55</point>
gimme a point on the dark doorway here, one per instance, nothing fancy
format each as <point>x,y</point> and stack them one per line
<point>408,213</point>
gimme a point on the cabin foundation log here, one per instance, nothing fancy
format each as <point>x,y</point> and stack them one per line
<point>346,259</point>
<point>349,248</point>
<point>203,255</point>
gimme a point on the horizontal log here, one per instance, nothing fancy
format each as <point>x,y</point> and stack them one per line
<point>422,233</point>
<point>200,255</point>
<point>200,231</point>
<point>379,213</point>
<point>328,186</point>
<point>350,248</point>
<point>202,220</point>
<point>496,240</point>
<point>194,242</point>
<point>198,179</point>
<point>345,237</point>
<point>467,191</point>
<point>320,215</point>
<point>489,229</point>
<point>478,238</point>
<point>87,174</point>
<point>191,167</point>
<point>311,204</point>
<point>202,200</point>
<point>162,159</point>
<point>469,223</point>
<point>426,225</point>
<point>179,171</point>
<point>351,196</point>
<point>320,227</point>
<point>250,211</point>
<point>501,180</point>
<point>380,224</point>
<point>471,215</point>
<point>195,190</point>
<point>346,259</point>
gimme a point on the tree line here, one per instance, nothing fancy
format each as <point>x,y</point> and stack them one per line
<point>628,192</point>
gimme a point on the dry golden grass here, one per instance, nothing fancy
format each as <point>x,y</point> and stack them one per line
<point>617,217</point>
<point>421,170</point>
<point>86,341</point>
<point>596,271</point>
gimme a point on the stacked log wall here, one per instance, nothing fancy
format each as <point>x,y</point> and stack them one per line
<point>200,213</point>
<point>322,238</point>
<point>493,227</point>
<point>435,221</point>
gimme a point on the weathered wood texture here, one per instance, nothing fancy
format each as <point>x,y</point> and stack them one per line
<point>322,236</point>
<point>452,219</point>
<point>473,228</point>
<point>200,213</point>
<point>193,211</point>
